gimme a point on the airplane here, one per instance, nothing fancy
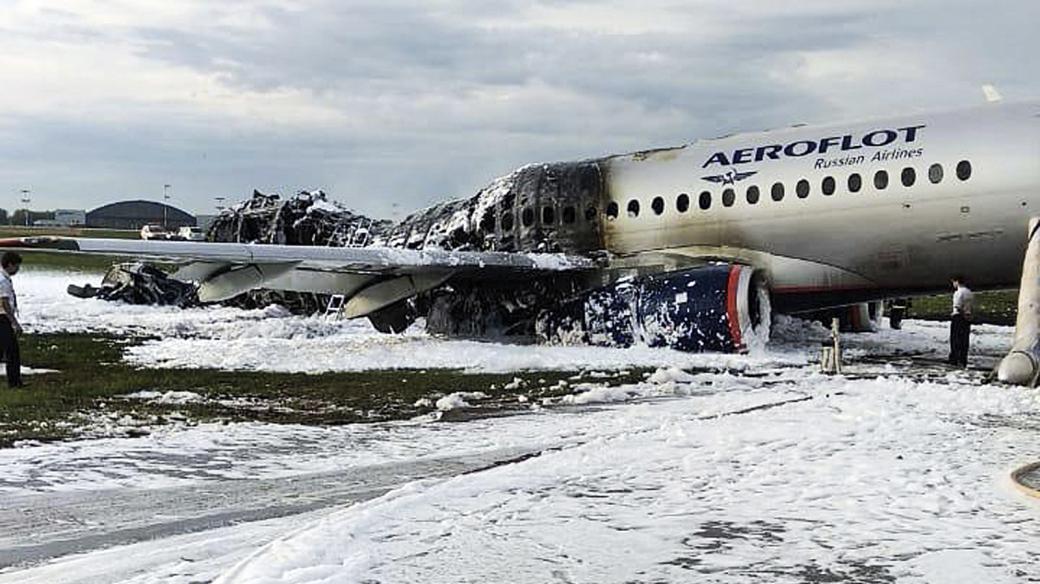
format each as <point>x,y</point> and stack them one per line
<point>691,247</point>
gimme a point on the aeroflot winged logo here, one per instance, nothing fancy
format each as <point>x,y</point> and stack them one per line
<point>731,177</point>
<point>822,148</point>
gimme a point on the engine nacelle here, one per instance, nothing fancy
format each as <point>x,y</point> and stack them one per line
<point>712,308</point>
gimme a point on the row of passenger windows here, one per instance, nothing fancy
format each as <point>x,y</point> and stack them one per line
<point>829,185</point>
<point>854,183</point>
<point>568,216</point>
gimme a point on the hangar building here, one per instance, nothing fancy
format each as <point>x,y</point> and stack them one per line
<point>136,214</point>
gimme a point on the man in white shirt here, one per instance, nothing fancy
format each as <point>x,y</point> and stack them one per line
<point>960,321</point>
<point>10,328</point>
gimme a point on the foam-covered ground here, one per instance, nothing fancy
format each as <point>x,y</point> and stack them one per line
<point>274,340</point>
<point>871,481</point>
<point>767,472</point>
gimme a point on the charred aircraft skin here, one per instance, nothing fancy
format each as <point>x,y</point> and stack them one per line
<point>307,218</point>
<point>538,208</point>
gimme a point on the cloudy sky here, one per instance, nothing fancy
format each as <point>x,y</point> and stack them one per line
<point>389,105</point>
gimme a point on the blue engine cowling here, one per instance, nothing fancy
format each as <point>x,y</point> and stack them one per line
<point>711,308</point>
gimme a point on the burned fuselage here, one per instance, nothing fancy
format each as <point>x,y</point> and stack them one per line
<point>540,208</point>
<point>544,208</point>
<point>567,207</point>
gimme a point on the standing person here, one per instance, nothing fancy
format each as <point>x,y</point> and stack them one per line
<point>960,321</point>
<point>9,326</point>
<point>897,311</point>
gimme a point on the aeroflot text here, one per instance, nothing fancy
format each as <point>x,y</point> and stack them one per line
<point>875,139</point>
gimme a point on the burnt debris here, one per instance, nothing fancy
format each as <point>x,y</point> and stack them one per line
<point>308,218</point>
<point>139,283</point>
<point>537,208</point>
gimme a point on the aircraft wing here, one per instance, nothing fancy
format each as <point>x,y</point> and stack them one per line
<point>371,277</point>
<point>382,260</point>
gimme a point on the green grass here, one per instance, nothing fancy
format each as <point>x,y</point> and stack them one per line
<point>991,307</point>
<point>19,231</point>
<point>44,260</point>
<point>68,261</point>
<point>91,376</point>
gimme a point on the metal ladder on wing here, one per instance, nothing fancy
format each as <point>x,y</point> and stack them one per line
<point>361,234</point>
<point>357,235</point>
<point>339,236</point>
<point>335,306</point>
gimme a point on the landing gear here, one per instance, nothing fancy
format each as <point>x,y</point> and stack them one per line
<point>897,311</point>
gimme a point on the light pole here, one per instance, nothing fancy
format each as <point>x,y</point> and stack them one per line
<point>166,197</point>
<point>220,203</point>
<point>26,200</point>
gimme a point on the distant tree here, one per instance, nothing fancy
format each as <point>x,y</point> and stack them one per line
<point>18,217</point>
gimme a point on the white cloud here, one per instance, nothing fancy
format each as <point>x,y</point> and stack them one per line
<point>406,102</point>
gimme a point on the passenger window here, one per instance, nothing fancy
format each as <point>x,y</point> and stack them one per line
<point>705,200</point>
<point>828,186</point>
<point>633,208</point>
<point>657,205</point>
<point>964,170</point>
<point>528,217</point>
<point>507,222</point>
<point>682,203</point>
<point>777,192</point>
<point>487,222</point>
<point>881,180</point>
<point>855,183</point>
<point>728,197</point>
<point>569,214</point>
<point>612,210</point>
<point>909,177</point>
<point>935,173</point>
<point>752,195</point>
<point>802,189</point>
<point>548,215</point>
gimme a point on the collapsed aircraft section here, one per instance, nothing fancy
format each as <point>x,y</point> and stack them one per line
<point>538,208</point>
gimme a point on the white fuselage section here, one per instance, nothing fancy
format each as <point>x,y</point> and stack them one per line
<point>903,235</point>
